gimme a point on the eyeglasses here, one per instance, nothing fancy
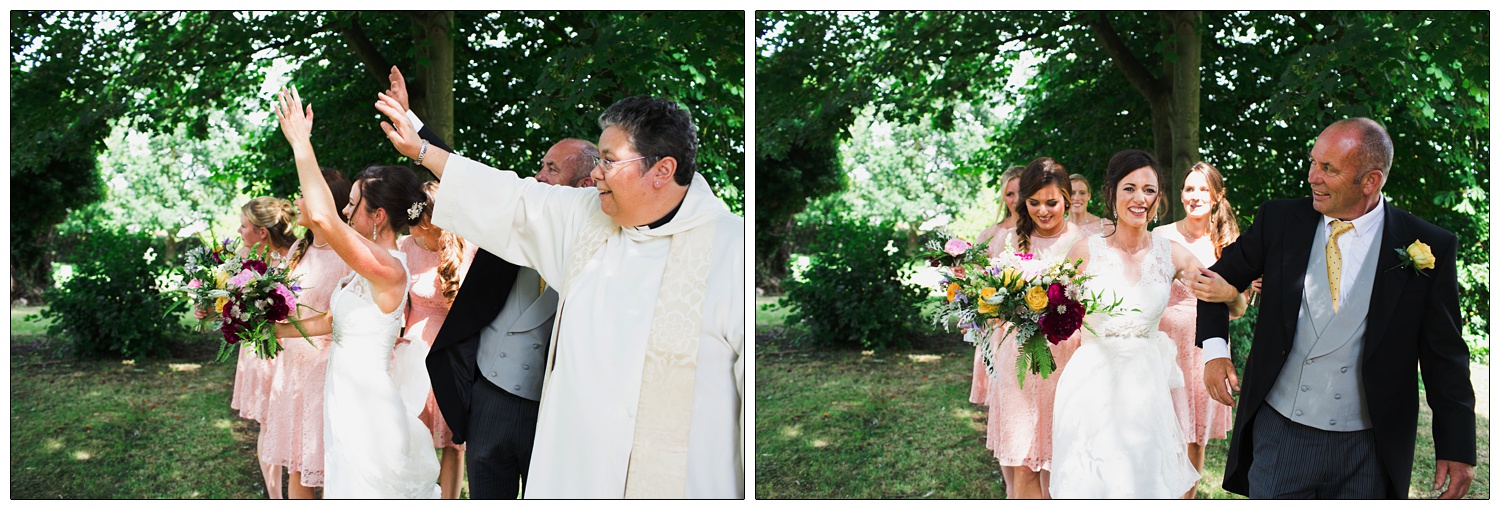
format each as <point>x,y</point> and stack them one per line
<point>609,166</point>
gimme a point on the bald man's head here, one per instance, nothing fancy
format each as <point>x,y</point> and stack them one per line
<point>568,163</point>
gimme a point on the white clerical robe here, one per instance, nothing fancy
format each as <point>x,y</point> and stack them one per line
<point>587,419</point>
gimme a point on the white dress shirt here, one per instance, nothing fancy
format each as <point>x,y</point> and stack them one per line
<point>1353,247</point>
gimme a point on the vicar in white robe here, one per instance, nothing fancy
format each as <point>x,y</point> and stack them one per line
<point>645,382</point>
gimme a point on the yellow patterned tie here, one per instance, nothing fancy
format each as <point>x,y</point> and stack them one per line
<point>541,285</point>
<point>1335,259</point>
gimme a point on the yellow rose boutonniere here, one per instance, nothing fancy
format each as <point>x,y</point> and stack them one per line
<point>1036,298</point>
<point>986,293</point>
<point>1418,256</point>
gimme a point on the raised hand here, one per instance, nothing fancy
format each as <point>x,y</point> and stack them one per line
<point>1218,375</point>
<point>398,89</point>
<point>401,133</point>
<point>296,121</point>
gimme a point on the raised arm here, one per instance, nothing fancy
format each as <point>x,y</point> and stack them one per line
<point>398,91</point>
<point>404,137</point>
<point>371,261</point>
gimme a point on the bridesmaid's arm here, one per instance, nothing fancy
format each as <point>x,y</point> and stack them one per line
<point>316,325</point>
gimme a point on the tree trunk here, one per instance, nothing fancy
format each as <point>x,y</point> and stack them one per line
<point>1186,75</point>
<point>437,31</point>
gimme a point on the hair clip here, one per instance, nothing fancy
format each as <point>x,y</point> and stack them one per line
<point>415,210</point>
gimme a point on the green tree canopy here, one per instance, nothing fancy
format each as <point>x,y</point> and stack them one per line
<point>500,87</point>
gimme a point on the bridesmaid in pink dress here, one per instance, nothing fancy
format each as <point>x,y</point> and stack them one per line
<point>995,234</point>
<point>437,261</point>
<point>1020,417</point>
<point>264,222</point>
<point>291,436</point>
<point>1208,227</point>
<point>1079,214</point>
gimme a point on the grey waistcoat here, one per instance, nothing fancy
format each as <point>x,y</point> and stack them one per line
<point>1321,385</point>
<point>513,347</point>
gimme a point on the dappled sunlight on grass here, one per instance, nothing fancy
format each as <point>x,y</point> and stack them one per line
<point>223,424</point>
<point>819,443</point>
<point>792,431</point>
<point>54,445</point>
<point>82,455</point>
<point>924,358</point>
<point>184,367</point>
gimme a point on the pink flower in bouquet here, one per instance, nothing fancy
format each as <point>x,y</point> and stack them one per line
<point>1061,320</point>
<point>195,283</point>
<point>1024,256</point>
<point>254,265</point>
<point>956,247</point>
<point>959,272</point>
<point>241,279</point>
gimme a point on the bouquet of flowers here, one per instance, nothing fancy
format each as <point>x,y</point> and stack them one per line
<point>1042,303</point>
<point>247,294</point>
<point>953,253</point>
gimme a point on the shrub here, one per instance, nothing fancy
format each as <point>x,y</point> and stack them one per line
<point>1241,333</point>
<point>854,293</point>
<point>112,305</point>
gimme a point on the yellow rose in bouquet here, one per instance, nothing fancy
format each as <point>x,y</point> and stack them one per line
<point>952,291</point>
<point>1421,255</point>
<point>1036,298</point>
<point>984,307</point>
<point>1012,277</point>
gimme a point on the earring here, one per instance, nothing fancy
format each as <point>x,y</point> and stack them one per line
<point>374,234</point>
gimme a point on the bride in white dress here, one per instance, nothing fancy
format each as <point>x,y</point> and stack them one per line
<point>1114,431</point>
<point>374,444</point>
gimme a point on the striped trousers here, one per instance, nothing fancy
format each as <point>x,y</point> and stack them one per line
<point>1295,461</point>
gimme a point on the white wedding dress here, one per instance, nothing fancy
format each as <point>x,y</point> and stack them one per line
<point>374,444</point>
<point>1114,431</point>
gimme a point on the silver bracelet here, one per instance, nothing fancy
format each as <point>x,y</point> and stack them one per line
<point>422,153</point>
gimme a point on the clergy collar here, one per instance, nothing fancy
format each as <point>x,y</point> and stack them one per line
<point>664,219</point>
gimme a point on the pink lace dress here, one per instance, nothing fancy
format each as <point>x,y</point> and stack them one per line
<point>1020,417</point>
<point>425,318</point>
<point>292,433</point>
<point>1200,417</point>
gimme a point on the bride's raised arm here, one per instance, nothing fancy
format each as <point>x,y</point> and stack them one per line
<point>363,256</point>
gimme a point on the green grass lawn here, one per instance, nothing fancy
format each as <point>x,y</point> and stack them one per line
<point>107,429</point>
<point>103,429</point>
<point>898,424</point>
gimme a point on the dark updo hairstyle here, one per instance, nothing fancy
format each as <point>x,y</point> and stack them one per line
<point>657,128</point>
<point>1121,165</point>
<point>339,185</point>
<point>393,188</point>
<point>1041,173</point>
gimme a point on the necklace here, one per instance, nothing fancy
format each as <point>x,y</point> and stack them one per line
<point>1190,238</point>
<point>1053,236</point>
<point>316,245</point>
<point>1131,250</point>
<point>421,244</point>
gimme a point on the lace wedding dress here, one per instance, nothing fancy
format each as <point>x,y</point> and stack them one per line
<point>375,446</point>
<point>1114,430</point>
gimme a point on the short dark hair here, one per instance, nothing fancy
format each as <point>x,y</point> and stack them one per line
<point>1375,149</point>
<point>1121,165</point>
<point>393,188</point>
<point>657,128</point>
